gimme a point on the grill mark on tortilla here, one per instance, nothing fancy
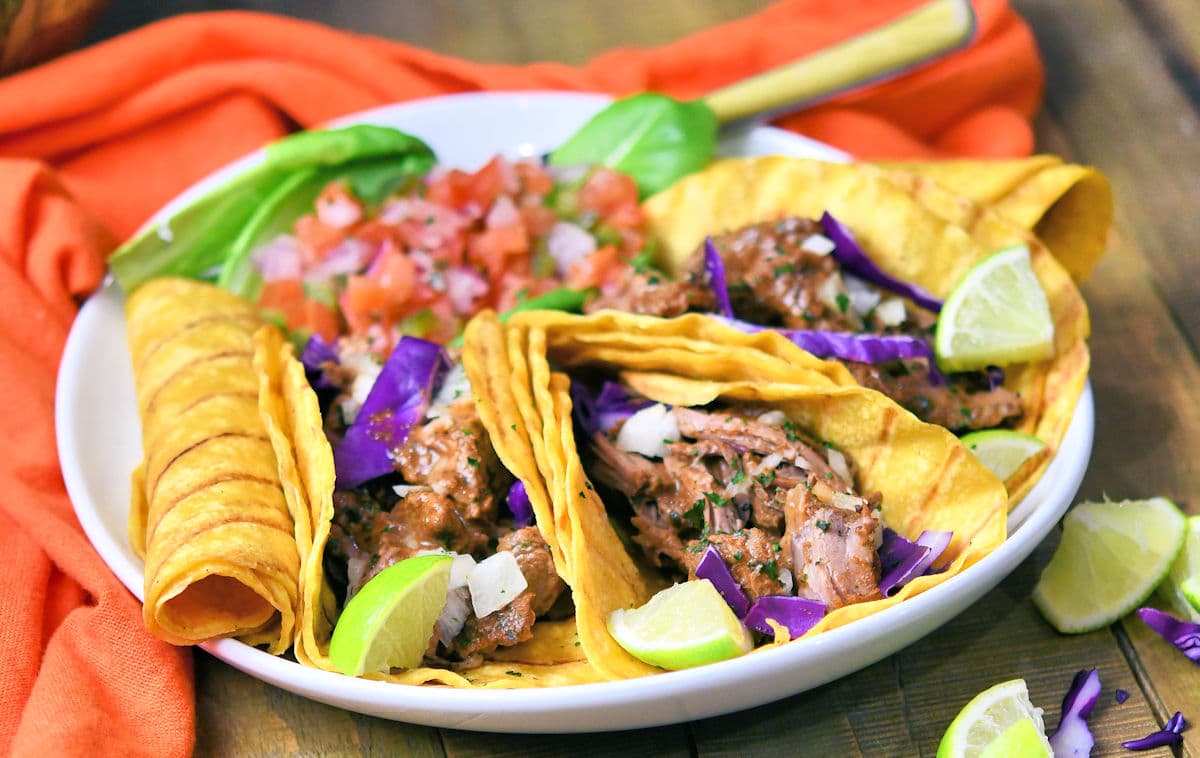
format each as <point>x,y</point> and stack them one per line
<point>887,431</point>
<point>150,351</point>
<point>197,402</point>
<point>941,480</point>
<point>240,518</point>
<point>220,435</point>
<point>192,364</point>
<point>210,396</point>
<point>212,482</point>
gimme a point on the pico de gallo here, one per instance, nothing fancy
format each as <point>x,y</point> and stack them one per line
<point>431,255</point>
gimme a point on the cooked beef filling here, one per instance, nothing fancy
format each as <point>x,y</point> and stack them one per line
<point>754,486</point>
<point>774,279</point>
<point>445,495</point>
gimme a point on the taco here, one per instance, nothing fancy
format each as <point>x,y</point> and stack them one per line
<point>851,263</point>
<point>420,455</point>
<point>808,492</point>
<point>208,513</point>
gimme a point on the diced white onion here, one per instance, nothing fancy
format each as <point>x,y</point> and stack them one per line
<point>837,462</point>
<point>863,297</point>
<point>567,243</point>
<point>460,570</point>
<point>463,287</point>
<point>455,387</point>
<point>338,212</point>
<point>404,490</point>
<point>846,501</point>
<point>454,615</point>
<point>829,290</point>
<point>347,257</point>
<point>771,462</point>
<point>774,418</point>
<point>495,582</point>
<point>279,259</point>
<point>817,244</point>
<point>891,312</point>
<point>648,431</point>
<point>785,578</point>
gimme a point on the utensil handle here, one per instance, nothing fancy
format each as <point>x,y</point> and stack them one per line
<point>929,31</point>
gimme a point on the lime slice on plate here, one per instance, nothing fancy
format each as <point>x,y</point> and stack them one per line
<point>1000,721</point>
<point>996,315</point>
<point>1112,556</point>
<point>1182,586</point>
<point>685,625</point>
<point>1002,450</point>
<point>389,623</point>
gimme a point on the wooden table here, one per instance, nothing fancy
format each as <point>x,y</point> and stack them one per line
<point>1123,94</point>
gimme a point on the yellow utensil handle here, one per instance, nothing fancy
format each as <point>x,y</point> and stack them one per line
<point>927,32</point>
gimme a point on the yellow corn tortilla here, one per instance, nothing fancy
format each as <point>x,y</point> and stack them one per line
<point>927,478</point>
<point>1068,206</point>
<point>915,230</point>
<point>208,514</point>
<point>554,656</point>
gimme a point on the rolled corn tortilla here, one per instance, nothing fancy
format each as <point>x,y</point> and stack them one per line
<point>208,512</point>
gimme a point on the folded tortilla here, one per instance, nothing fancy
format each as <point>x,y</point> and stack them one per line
<point>208,513</point>
<point>1068,206</point>
<point>915,230</point>
<point>927,478</point>
<point>554,656</point>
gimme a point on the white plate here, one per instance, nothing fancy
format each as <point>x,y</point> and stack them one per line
<point>99,443</point>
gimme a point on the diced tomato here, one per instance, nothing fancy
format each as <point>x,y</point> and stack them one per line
<point>321,319</point>
<point>337,207</point>
<point>606,190</point>
<point>594,269</point>
<point>363,303</point>
<point>535,180</point>
<point>476,191</point>
<point>396,273</point>
<point>315,237</point>
<point>285,297</point>
<point>625,216</point>
<point>491,247</point>
<point>538,219</point>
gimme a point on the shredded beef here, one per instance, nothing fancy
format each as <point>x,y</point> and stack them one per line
<point>834,549</point>
<point>953,405</point>
<point>755,558</point>
<point>508,626</point>
<point>453,455</point>
<point>655,295</point>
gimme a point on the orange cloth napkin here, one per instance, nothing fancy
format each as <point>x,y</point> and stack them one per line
<point>92,143</point>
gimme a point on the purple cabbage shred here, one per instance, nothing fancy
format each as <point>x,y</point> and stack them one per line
<point>902,560</point>
<point>713,568</point>
<point>715,268</point>
<point>796,614</point>
<point>854,259</point>
<point>602,411</point>
<point>519,504</point>
<point>1121,695</point>
<point>1170,734</point>
<point>316,354</point>
<point>1184,635</point>
<point>1073,737</point>
<point>397,401</point>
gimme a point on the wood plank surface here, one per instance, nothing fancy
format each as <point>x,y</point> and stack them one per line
<point>1122,94</point>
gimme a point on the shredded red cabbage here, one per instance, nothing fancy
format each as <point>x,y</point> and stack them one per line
<point>518,503</point>
<point>797,614</point>
<point>397,401</point>
<point>601,412</point>
<point>995,377</point>
<point>855,260</point>
<point>317,352</point>
<point>713,568</point>
<point>847,346</point>
<point>1182,634</point>
<point>902,561</point>
<point>1121,696</point>
<point>1170,734</point>
<point>1073,737</point>
<point>715,268</point>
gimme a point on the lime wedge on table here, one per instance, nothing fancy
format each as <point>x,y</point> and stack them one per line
<point>685,625</point>
<point>1002,450</point>
<point>996,315</point>
<point>1000,721</point>
<point>389,623</point>
<point>1182,586</point>
<point>1112,556</point>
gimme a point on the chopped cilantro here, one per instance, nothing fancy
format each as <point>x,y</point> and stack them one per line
<point>791,430</point>
<point>786,268</point>
<point>695,514</point>
<point>716,499</point>
<point>771,569</point>
<point>765,478</point>
<point>822,525</point>
<point>738,477</point>
<point>472,462</point>
<point>513,673</point>
<point>843,301</point>
<point>776,546</point>
<point>738,555</point>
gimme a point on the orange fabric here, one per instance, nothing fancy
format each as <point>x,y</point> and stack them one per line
<point>92,143</point>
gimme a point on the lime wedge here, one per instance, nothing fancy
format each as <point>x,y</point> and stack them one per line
<point>685,625</point>
<point>1182,587</point>
<point>389,623</point>
<point>1002,450</point>
<point>996,315</point>
<point>1112,556</point>
<point>1000,721</point>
